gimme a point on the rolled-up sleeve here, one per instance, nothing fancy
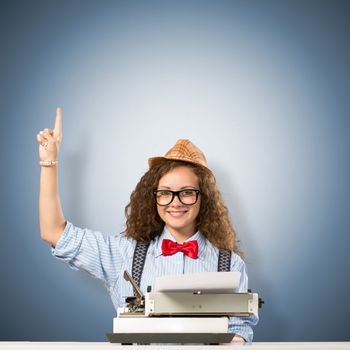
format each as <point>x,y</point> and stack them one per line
<point>242,325</point>
<point>91,251</point>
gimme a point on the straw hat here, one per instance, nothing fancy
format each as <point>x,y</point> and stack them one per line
<point>183,150</point>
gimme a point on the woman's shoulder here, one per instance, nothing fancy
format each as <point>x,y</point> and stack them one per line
<point>124,242</point>
<point>237,262</point>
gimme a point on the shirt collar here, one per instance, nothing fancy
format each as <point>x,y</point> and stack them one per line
<point>167,235</point>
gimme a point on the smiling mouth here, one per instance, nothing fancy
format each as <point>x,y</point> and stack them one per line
<point>177,213</point>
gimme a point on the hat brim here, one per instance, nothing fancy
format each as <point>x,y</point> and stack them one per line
<point>156,160</point>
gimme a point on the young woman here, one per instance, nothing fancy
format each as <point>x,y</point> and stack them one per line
<point>176,200</point>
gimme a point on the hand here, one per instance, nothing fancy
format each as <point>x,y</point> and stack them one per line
<point>238,339</point>
<point>49,140</point>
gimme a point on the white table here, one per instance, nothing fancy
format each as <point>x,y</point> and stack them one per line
<point>109,346</point>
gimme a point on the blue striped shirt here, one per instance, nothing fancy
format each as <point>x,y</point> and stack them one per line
<point>106,257</point>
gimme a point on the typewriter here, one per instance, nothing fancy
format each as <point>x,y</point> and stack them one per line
<point>185,315</point>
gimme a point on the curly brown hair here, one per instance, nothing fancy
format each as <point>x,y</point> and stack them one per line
<point>143,222</point>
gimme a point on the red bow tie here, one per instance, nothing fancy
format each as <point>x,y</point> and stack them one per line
<point>189,248</point>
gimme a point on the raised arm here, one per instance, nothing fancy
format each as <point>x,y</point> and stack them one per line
<point>52,222</point>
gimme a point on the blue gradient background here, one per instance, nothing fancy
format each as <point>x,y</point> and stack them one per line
<point>261,86</point>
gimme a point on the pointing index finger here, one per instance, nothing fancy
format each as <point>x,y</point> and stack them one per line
<point>57,131</point>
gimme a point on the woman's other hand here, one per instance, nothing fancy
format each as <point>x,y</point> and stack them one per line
<point>238,339</point>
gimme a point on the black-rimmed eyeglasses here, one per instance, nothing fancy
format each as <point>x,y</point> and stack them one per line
<point>187,197</point>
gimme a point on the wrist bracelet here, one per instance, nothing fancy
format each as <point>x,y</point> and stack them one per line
<point>48,163</point>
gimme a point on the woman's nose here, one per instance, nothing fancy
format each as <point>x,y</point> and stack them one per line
<point>176,201</point>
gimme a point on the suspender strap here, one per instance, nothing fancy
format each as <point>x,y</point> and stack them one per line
<point>138,261</point>
<point>224,263</point>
